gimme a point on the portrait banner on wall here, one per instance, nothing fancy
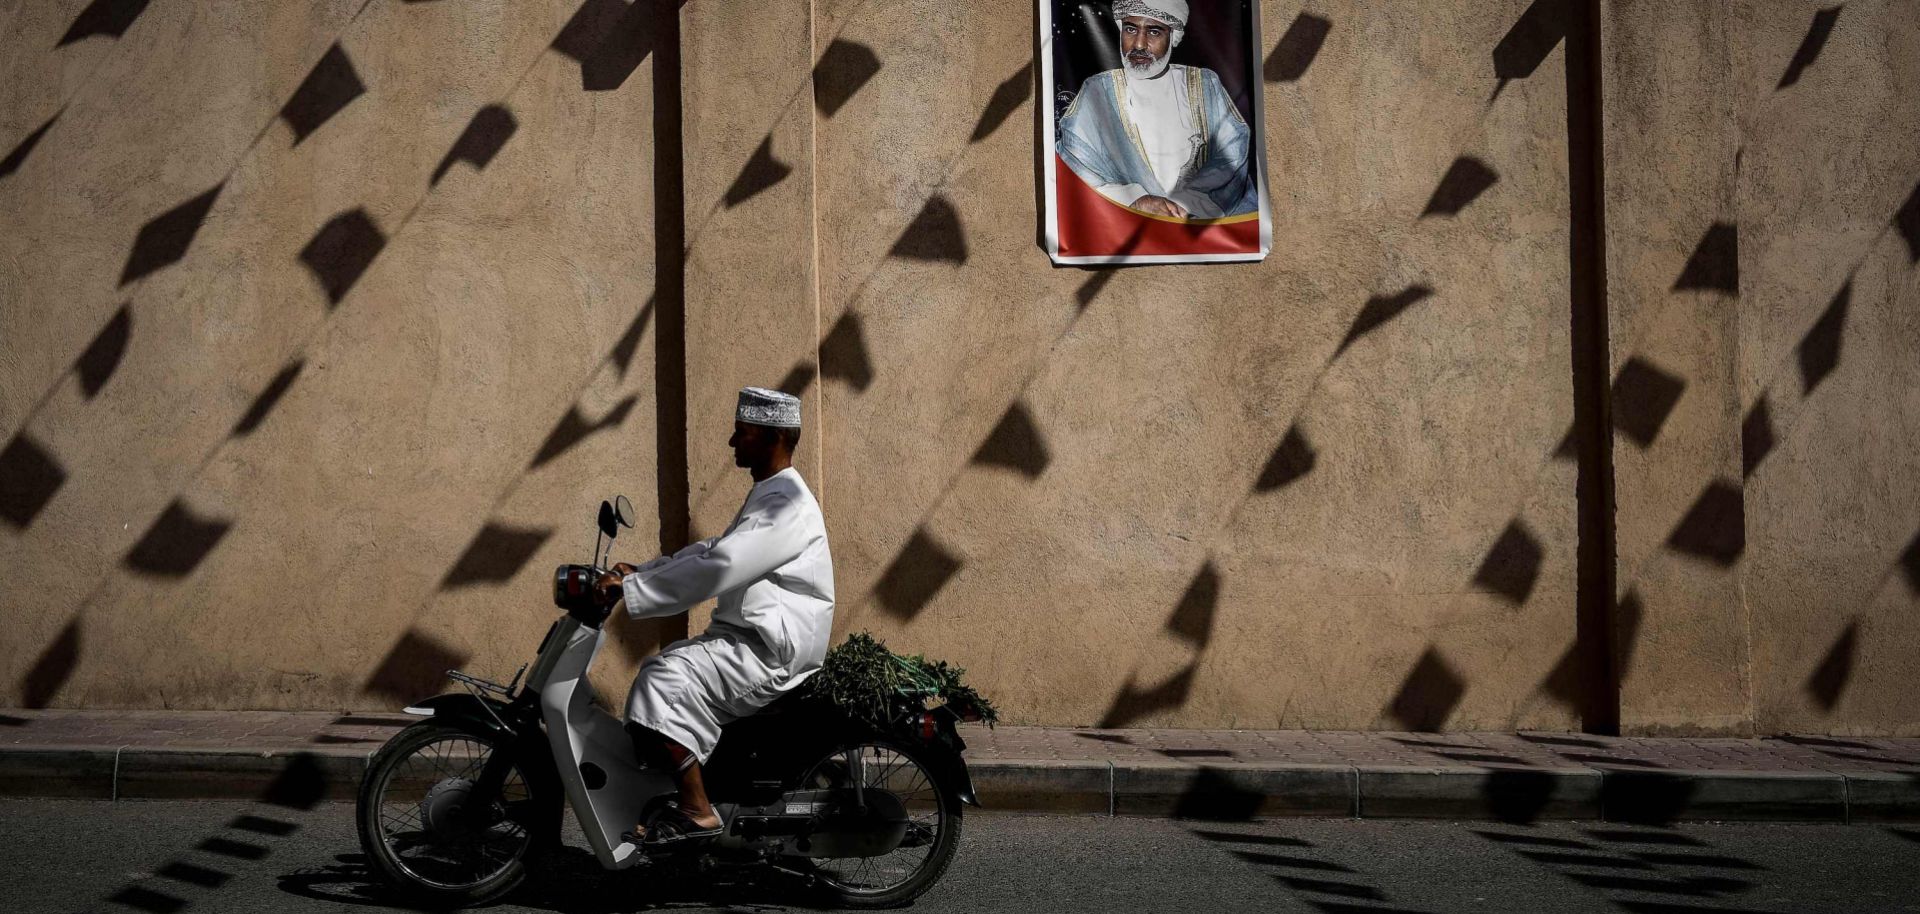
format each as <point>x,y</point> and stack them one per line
<point>1153,131</point>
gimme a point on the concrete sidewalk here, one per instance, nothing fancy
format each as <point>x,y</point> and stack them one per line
<point>1201,774</point>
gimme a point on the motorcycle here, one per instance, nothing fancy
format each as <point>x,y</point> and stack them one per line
<point>455,808</point>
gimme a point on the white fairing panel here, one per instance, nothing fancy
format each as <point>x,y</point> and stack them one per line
<point>581,734</point>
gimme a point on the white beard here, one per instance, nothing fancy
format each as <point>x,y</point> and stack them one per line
<point>1150,71</point>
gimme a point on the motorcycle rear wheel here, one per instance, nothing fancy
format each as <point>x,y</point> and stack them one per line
<point>933,807</point>
<point>417,830</point>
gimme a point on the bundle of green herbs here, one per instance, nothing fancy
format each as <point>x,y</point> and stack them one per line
<point>871,683</point>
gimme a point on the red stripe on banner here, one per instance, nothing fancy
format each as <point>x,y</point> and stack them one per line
<point>1091,225</point>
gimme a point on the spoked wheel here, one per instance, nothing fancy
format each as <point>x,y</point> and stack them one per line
<point>898,876</point>
<point>426,829</point>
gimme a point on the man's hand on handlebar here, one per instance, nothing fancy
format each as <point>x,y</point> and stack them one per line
<point>609,586</point>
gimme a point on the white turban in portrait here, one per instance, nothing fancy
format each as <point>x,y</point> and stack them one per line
<point>1171,12</point>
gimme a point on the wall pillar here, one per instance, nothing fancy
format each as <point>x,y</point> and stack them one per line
<point>751,309</point>
<point>1671,143</point>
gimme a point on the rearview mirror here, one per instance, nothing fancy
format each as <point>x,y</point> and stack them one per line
<point>623,511</point>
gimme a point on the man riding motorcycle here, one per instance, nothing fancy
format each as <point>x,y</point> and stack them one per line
<point>773,575</point>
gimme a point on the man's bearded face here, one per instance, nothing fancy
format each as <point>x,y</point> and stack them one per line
<point>1145,44</point>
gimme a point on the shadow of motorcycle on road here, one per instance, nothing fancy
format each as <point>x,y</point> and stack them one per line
<point>570,881</point>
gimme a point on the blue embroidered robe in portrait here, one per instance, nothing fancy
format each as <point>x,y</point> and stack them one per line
<point>1099,142</point>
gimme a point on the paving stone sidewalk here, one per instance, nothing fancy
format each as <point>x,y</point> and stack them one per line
<point>1195,773</point>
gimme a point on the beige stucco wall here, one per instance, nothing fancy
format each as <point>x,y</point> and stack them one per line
<point>1670,139</point>
<point>493,310</point>
<point>1139,408</point>
<point>1829,332</point>
<point>1182,496</point>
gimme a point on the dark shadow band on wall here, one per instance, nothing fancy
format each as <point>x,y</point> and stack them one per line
<point>1599,703</point>
<point>670,291</point>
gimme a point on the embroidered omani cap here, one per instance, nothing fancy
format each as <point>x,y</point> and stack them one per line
<point>760,406</point>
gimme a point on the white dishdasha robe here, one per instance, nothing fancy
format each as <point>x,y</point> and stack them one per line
<point>774,577</point>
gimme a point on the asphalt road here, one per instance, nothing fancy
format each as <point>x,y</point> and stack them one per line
<point>209,856</point>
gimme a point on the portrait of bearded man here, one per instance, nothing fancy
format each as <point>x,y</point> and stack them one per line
<point>1162,138</point>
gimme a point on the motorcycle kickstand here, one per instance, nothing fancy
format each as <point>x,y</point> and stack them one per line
<point>808,880</point>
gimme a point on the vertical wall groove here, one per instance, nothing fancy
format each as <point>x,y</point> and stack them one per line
<point>1592,387</point>
<point>670,289</point>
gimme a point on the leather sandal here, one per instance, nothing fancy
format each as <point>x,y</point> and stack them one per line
<point>675,829</point>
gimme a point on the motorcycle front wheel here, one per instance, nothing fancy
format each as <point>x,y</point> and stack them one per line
<point>423,828</point>
<point>903,874</point>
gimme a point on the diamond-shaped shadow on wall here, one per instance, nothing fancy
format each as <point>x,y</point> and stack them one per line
<point>1526,45</point>
<point>483,139</point>
<point>916,576</point>
<point>843,353</point>
<point>1715,264</point>
<point>935,234</point>
<point>1134,702</point>
<point>799,378</point>
<point>1192,619</point>
<point>1566,682</point>
<point>1512,566</point>
<point>1379,310</point>
<point>177,542</point>
<point>1715,528</point>
<point>1293,459</point>
<point>111,18</point>
<point>844,68</point>
<point>1819,350</point>
<point>624,46</point>
<point>1810,46</point>
<point>574,428</point>
<point>165,238</point>
<point>1756,437</point>
<point>1466,179</point>
<point>1628,615</point>
<point>1007,98</point>
<point>496,554</point>
<point>331,86</point>
<point>1830,678</point>
<point>762,172</point>
<point>29,477</point>
<point>1643,397</point>
<point>1907,220</point>
<point>341,251</point>
<point>1428,695</point>
<point>590,25</point>
<point>267,400</point>
<point>18,156</point>
<point>96,365</point>
<point>1297,48</point>
<point>53,668</point>
<point>1016,444</point>
<point>1910,565</point>
<point>417,666</point>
